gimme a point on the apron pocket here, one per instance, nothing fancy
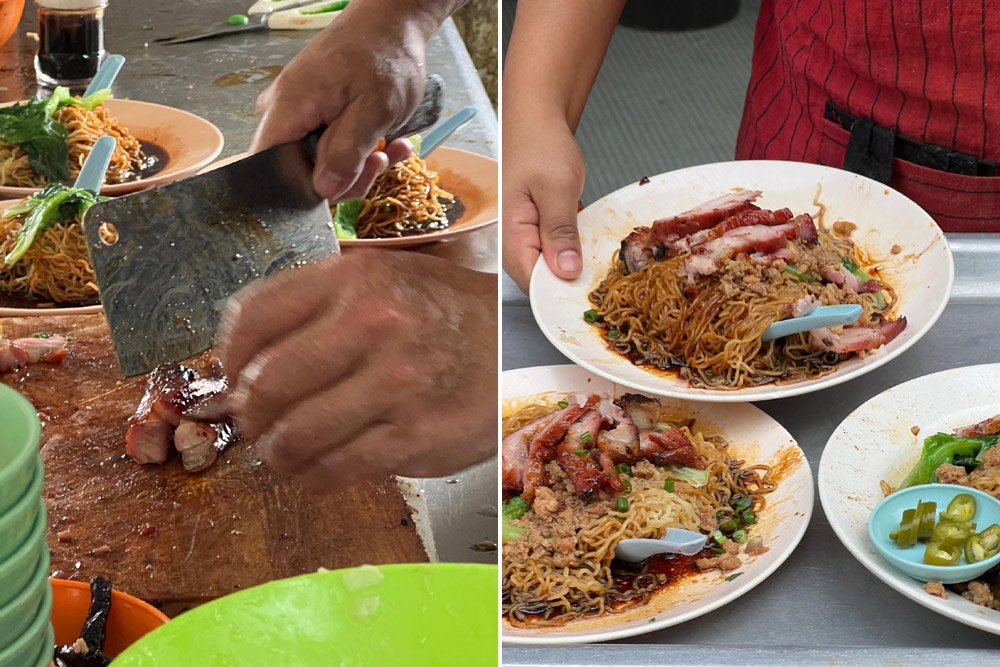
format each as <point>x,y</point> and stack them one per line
<point>958,203</point>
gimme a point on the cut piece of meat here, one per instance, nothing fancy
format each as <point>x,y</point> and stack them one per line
<point>669,447</point>
<point>31,350</point>
<point>149,441</point>
<point>986,427</point>
<point>514,452</point>
<point>574,453</point>
<point>200,444</point>
<point>639,247</point>
<point>643,410</point>
<point>541,447</point>
<point>708,258</point>
<point>856,339</point>
<point>620,437</point>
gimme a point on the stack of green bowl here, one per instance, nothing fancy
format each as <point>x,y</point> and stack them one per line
<point>26,637</point>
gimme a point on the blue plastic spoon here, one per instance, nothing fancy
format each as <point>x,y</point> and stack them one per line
<point>440,134</point>
<point>106,74</point>
<point>92,174</point>
<point>824,316</point>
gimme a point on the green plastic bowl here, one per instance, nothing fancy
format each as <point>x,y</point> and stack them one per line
<point>47,651</point>
<point>418,615</point>
<point>20,612</point>
<point>26,648</point>
<point>20,431</point>
<point>16,571</point>
<point>16,524</point>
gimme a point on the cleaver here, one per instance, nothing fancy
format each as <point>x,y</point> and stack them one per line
<point>167,259</point>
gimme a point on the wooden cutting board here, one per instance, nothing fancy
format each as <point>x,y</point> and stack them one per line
<point>236,525</point>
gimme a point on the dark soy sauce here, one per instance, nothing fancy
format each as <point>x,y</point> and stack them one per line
<point>71,44</point>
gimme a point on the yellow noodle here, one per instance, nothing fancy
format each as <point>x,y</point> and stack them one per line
<point>403,201</point>
<point>55,267</point>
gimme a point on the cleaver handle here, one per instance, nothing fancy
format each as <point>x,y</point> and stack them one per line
<point>427,114</point>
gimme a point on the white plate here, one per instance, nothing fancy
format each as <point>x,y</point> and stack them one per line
<point>922,272</point>
<point>875,443</point>
<point>755,437</point>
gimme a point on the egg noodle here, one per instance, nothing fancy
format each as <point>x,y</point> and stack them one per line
<point>403,201</point>
<point>549,587</point>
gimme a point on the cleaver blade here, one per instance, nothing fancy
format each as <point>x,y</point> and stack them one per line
<point>168,259</point>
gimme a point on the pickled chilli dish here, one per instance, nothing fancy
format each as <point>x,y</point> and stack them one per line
<point>694,292</point>
<point>405,200</point>
<point>47,141</point>
<point>966,457</point>
<point>584,472</point>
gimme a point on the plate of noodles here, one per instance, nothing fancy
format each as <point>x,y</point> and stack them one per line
<point>683,272</point>
<point>911,434</point>
<point>52,272</point>
<point>452,192</point>
<point>156,144</point>
<point>587,462</point>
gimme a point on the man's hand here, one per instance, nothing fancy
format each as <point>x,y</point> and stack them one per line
<point>364,365</point>
<point>363,77</point>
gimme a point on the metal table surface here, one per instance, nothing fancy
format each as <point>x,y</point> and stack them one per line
<point>219,79</point>
<point>821,606</point>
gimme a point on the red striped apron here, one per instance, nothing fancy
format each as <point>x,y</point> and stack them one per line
<point>927,69</point>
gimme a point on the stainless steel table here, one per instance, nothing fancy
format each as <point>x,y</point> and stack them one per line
<point>821,606</point>
<point>219,79</point>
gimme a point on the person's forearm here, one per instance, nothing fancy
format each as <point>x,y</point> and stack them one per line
<point>556,49</point>
<point>425,16</point>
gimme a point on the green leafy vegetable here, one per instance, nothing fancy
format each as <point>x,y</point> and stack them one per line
<point>54,205</point>
<point>693,476</point>
<point>943,448</point>
<point>32,127</point>
<point>345,220</point>
<point>515,508</point>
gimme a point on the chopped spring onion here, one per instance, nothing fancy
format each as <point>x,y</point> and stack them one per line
<point>729,526</point>
<point>740,503</point>
<point>740,536</point>
<point>622,504</point>
<point>562,405</point>
<point>624,469</point>
<point>585,437</point>
<point>668,485</point>
<point>581,452</point>
<point>591,315</point>
<point>749,518</point>
<point>801,276</point>
<point>662,426</point>
<point>614,334</point>
<point>693,476</point>
<point>754,543</point>
<point>733,576</point>
<point>626,486</point>
<point>719,538</point>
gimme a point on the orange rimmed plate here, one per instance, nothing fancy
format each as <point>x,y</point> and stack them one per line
<point>185,142</point>
<point>472,177</point>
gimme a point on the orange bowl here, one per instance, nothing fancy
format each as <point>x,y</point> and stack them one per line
<point>10,16</point>
<point>130,617</point>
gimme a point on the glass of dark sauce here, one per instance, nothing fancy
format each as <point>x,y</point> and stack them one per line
<point>70,42</point>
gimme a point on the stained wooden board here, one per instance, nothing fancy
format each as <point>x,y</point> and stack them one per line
<point>236,525</point>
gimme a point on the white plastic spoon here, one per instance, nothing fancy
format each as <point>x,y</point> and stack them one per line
<point>675,541</point>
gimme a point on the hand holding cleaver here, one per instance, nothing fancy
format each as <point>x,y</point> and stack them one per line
<point>168,259</point>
